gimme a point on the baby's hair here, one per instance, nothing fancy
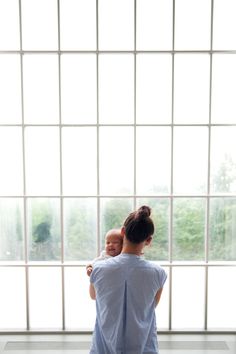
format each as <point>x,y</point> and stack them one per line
<point>138,225</point>
<point>115,232</point>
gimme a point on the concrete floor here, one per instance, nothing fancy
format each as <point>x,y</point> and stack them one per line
<point>79,344</point>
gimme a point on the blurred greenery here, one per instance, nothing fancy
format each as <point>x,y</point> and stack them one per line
<point>11,230</point>
<point>80,230</point>
<point>158,250</point>
<point>113,214</point>
<point>80,225</point>
<point>188,229</point>
<point>223,229</point>
<point>44,230</point>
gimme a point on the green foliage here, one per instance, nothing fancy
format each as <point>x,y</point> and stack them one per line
<point>223,214</point>
<point>158,250</point>
<point>114,213</point>
<point>223,229</point>
<point>44,231</point>
<point>226,176</point>
<point>80,225</point>
<point>188,229</point>
<point>80,232</point>
<point>19,231</point>
<point>11,233</point>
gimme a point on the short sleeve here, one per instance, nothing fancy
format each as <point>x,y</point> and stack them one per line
<point>161,277</point>
<point>93,276</point>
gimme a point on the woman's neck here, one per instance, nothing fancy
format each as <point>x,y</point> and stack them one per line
<point>133,248</point>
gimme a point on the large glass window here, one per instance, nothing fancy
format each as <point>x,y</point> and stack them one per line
<point>106,106</point>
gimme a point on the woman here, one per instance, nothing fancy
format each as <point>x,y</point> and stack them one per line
<point>127,289</point>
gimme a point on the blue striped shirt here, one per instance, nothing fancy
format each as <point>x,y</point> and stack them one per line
<point>126,286</point>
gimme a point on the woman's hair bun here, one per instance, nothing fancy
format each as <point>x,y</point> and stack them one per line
<point>143,212</point>
<point>138,225</point>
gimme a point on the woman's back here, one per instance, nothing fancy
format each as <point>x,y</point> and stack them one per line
<point>126,287</point>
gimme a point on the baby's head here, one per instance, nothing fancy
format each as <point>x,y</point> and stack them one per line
<point>113,242</point>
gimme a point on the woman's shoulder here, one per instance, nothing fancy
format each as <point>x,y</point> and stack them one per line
<point>154,266</point>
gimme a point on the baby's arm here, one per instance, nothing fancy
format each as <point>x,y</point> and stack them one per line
<point>89,269</point>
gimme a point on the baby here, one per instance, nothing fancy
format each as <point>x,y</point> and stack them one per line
<point>113,247</point>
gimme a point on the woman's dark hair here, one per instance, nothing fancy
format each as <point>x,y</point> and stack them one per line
<point>138,225</point>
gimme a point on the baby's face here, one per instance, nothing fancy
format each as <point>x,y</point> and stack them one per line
<point>113,245</point>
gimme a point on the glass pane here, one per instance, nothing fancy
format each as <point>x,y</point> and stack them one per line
<point>116,88</point>
<point>222,286</point>
<point>10,89</point>
<point>189,229</point>
<point>79,161</point>
<point>39,24</point>
<point>113,214</point>
<point>153,161</point>
<point>190,159</point>
<point>9,25</point>
<point>188,15</point>
<point>44,236</point>
<point>191,91</point>
<point>223,160</point>
<point>116,24</point>
<point>223,89</point>
<point>162,310</point>
<point>80,311</point>
<point>41,89</point>
<point>224,24</point>
<point>12,298</point>
<point>158,250</point>
<point>116,161</point>
<point>78,24</point>
<point>80,229</point>
<point>154,90</point>
<point>78,89</point>
<point>223,229</point>
<point>45,302</point>
<point>11,230</point>
<point>42,161</point>
<point>188,297</point>
<point>11,161</point>
<point>154,24</point>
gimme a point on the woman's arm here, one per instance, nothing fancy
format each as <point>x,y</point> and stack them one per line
<point>92,291</point>
<point>158,296</point>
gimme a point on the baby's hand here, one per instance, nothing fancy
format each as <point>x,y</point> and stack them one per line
<point>89,269</point>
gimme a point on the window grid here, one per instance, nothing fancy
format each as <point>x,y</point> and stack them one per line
<point>61,180</point>
<point>170,264</point>
<point>24,179</point>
